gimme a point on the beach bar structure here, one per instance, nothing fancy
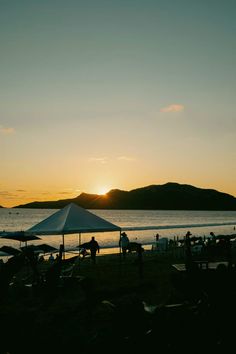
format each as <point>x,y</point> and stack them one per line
<point>70,220</point>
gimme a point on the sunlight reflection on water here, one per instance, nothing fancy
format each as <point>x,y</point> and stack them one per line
<point>22,219</point>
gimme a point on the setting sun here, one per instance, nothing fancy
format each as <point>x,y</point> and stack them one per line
<point>103,190</point>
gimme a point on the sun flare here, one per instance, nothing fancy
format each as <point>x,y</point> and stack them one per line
<point>103,190</point>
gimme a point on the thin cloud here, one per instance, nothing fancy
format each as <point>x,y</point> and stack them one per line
<point>102,160</point>
<point>51,193</point>
<point>6,130</point>
<point>4,193</point>
<point>8,195</point>
<point>173,108</point>
<point>125,158</point>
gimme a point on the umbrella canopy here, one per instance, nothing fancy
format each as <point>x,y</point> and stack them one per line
<point>19,236</point>
<point>4,254</point>
<point>44,248</point>
<point>9,250</point>
<point>72,219</point>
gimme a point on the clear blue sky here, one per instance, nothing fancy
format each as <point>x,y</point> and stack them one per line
<point>115,94</point>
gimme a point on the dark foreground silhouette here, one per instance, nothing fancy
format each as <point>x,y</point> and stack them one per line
<point>74,316</point>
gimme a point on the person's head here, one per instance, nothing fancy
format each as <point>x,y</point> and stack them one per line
<point>93,238</point>
<point>123,234</point>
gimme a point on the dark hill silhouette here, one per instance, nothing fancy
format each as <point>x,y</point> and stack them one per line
<point>170,196</point>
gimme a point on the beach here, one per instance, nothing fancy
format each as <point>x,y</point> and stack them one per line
<point>120,305</point>
<point>81,309</point>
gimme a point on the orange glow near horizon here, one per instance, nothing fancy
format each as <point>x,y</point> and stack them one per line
<point>99,108</point>
<point>103,190</point>
<point>24,193</point>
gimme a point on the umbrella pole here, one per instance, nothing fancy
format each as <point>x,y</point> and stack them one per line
<point>63,242</point>
<point>79,253</point>
<point>120,245</point>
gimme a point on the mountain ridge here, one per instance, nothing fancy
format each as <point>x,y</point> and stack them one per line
<point>169,196</point>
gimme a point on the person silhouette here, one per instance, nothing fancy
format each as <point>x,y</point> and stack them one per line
<point>94,248</point>
<point>188,253</point>
<point>155,244</point>
<point>124,243</point>
<point>51,258</point>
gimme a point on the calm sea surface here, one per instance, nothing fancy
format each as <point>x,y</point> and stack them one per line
<point>168,223</point>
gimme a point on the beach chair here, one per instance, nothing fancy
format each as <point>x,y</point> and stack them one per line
<point>67,275</point>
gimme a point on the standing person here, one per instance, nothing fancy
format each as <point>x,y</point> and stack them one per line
<point>94,248</point>
<point>51,258</point>
<point>124,243</point>
<point>188,253</point>
<point>155,245</point>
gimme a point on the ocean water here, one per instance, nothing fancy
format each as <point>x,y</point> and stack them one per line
<point>140,225</point>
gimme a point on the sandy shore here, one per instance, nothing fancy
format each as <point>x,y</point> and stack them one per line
<point>119,305</point>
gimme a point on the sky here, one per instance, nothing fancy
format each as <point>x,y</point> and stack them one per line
<point>115,94</point>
